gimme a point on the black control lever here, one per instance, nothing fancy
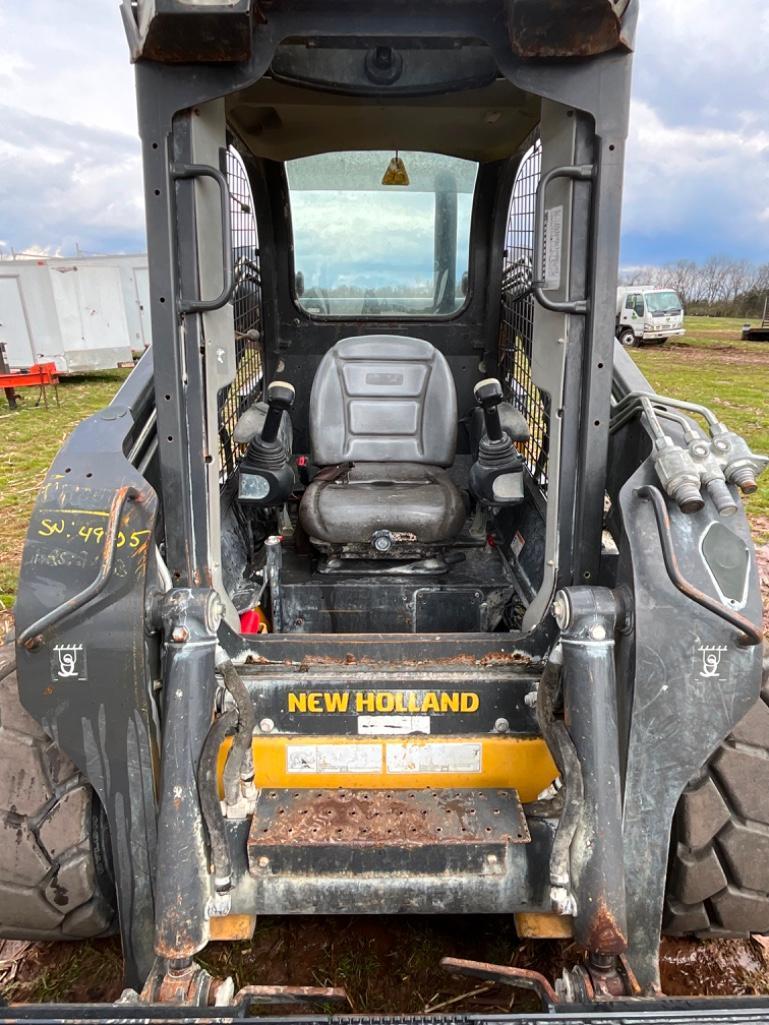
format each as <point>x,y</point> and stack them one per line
<point>280,398</point>
<point>265,475</point>
<point>496,477</point>
<point>488,395</point>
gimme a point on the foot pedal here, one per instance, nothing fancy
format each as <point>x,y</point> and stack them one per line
<point>333,831</point>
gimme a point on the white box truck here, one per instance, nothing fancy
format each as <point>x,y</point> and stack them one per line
<point>648,314</point>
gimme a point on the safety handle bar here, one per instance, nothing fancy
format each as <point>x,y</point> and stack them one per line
<point>752,634</point>
<point>35,634</point>
<point>575,172</point>
<point>182,172</point>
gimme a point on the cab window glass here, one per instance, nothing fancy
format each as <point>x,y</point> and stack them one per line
<point>363,248</point>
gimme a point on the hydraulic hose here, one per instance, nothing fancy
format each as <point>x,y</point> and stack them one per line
<point>208,794</point>
<point>565,756</point>
<point>240,763</point>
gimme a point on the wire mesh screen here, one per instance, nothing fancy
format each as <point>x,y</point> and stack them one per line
<point>517,322</point>
<point>246,388</point>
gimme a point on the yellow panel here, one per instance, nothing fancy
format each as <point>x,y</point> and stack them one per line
<point>535,926</point>
<point>522,764</point>
<point>232,927</point>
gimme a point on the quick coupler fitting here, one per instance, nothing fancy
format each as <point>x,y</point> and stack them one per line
<point>678,474</point>
<point>712,476</point>
<point>741,466</point>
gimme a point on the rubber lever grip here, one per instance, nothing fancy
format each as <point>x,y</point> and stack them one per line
<point>488,395</point>
<point>280,398</point>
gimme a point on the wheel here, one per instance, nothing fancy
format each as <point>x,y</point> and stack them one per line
<point>627,338</point>
<point>718,879</point>
<point>55,877</point>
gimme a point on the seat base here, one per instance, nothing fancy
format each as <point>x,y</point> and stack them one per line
<point>418,505</point>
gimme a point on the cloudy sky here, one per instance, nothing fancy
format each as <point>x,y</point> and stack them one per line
<point>698,162</point>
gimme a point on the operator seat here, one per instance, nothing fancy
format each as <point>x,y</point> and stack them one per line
<point>383,426</point>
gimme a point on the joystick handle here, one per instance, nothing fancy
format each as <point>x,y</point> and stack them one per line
<point>280,398</point>
<point>488,395</point>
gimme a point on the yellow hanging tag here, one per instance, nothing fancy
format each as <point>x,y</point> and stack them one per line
<point>396,173</point>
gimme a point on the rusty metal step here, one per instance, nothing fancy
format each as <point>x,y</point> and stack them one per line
<point>384,831</point>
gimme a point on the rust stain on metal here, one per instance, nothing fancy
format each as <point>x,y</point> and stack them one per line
<point>508,975</point>
<point>492,658</point>
<point>389,818</point>
<point>603,933</point>
<point>291,995</point>
<point>564,28</point>
<point>189,985</point>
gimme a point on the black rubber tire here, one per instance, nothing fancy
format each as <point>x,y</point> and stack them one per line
<point>628,338</point>
<point>55,878</point>
<point>718,879</point>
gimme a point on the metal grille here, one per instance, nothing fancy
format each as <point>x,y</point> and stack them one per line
<point>247,301</point>
<point>516,336</point>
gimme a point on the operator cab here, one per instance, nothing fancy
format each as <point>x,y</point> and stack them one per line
<point>388,473</point>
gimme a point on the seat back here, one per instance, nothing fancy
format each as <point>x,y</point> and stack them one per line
<point>383,399</point>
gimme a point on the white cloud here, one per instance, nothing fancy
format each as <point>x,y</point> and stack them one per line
<point>697,179</point>
<point>698,166</point>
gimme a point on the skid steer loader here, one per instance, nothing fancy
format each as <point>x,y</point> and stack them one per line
<point>387,583</point>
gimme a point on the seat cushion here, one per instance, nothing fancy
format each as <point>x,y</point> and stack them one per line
<point>399,497</point>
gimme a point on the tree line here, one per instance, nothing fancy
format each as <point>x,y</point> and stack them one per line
<point>718,287</point>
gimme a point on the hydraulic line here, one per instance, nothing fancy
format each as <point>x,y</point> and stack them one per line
<point>208,794</point>
<point>564,753</point>
<point>240,763</point>
<point>629,405</point>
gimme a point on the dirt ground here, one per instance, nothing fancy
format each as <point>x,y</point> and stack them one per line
<point>385,964</point>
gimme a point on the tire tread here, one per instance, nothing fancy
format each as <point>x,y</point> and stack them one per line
<point>52,884</point>
<point>718,878</point>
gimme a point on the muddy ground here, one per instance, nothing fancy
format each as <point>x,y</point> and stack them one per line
<point>385,964</point>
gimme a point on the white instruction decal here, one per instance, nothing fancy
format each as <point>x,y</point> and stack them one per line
<point>433,757</point>
<point>553,246</point>
<point>334,758</point>
<point>393,725</point>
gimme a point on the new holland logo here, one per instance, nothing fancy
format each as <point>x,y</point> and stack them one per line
<point>384,701</point>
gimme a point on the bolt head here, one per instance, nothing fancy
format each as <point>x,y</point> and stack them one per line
<point>180,634</point>
<point>266,725</point>
<point>597,632</point>
<point>501,726</point>
<point>560,609</point>
<point>263,862</point>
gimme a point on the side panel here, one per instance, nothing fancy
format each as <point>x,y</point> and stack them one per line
<point>86,671</point>
<point>14,328</point>
<point>90,305</point>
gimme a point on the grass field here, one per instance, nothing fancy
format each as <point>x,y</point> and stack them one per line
<point>710,365</point>
<point>29,439</point>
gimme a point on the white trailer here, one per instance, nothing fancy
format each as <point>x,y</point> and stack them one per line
<point>84,314</point>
